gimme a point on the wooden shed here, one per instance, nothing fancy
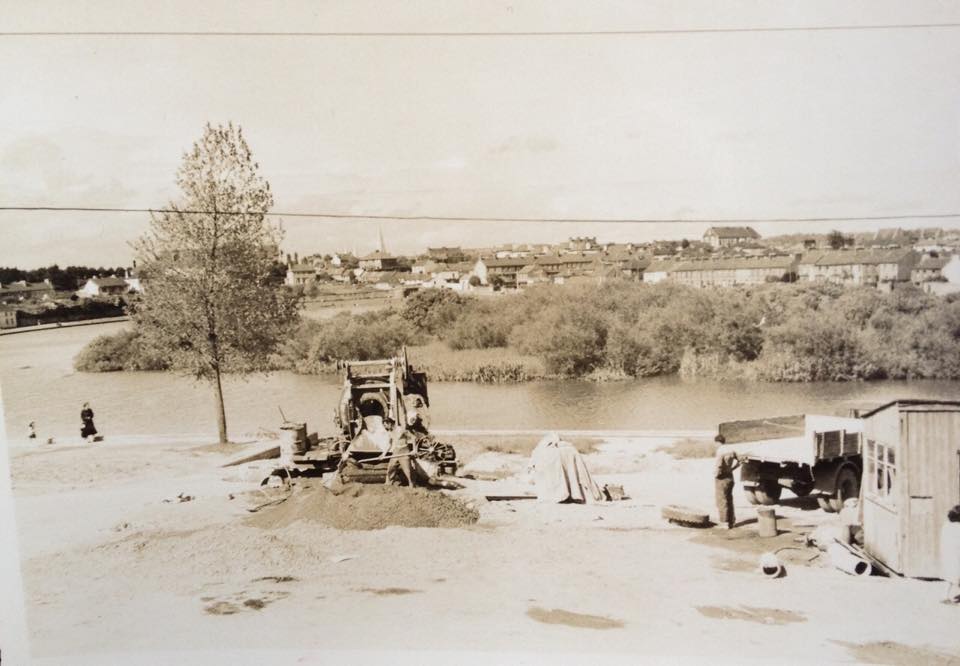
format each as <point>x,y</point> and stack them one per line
<point>911,478</point>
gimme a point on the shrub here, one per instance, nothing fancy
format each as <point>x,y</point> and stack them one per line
<point>434,310</point>
<point>479,328</point>
<point>126,350</point>
<point>359,338</point>
<point>569,342</point>
<point>815,349</point>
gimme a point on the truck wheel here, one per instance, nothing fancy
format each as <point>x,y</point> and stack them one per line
<point>848,485</point>
<point>751,495</point>
<point>768,492</point>
<point>802,488</point>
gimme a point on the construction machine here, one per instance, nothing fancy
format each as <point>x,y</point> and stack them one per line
<point>373,392</point>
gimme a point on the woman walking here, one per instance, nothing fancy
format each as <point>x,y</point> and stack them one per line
<point>88,430</point>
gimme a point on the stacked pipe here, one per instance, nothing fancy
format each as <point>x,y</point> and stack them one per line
<point>846,561</point>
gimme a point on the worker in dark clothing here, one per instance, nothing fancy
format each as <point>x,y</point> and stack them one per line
<point>723,475</point>
<point>86,417</point>
<point>399,453</point>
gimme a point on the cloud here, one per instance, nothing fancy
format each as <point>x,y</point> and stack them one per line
<point>37,171</point>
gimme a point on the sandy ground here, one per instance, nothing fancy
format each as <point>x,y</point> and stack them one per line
<point>114,573</point>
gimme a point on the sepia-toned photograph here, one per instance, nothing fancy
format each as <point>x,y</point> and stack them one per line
<point>451,332</point>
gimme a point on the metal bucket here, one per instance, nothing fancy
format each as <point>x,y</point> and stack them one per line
<point>294,437</point>
<point>766,522</point>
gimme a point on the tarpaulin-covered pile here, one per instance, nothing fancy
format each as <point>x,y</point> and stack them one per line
<point>560,474</point>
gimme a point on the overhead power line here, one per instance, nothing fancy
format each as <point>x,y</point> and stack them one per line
<point>465,218</point>
<point>474,34</point>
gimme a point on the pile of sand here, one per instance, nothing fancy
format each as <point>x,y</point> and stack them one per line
<point>367,507</point>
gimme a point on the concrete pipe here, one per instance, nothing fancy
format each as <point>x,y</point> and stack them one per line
<point>847,562</point>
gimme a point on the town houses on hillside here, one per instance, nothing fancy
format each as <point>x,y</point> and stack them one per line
<point>858,268</point>
<point>727,256</point>
<point>735,271</point>
<point>20,291</point>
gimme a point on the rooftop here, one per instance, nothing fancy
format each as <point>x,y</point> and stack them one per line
<point>112,281</point>
<point>732,232</point>
<point>736,263</point>
<point>848,257</point>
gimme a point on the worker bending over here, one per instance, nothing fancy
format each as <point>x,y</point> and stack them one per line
<point>727,461</point>
<point>399,453</point>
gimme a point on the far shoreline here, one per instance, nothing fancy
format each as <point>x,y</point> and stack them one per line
<point>64,324</point>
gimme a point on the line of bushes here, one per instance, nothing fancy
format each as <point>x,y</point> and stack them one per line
<point>773,332</point>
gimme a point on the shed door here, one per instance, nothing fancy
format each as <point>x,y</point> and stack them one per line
<point>922,557</point>
<point>932,472</point>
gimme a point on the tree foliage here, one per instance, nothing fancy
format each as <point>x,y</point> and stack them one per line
<point>433,310</point>
<point>62,279</point>
<point>211,301</point>
<point>836,240</point>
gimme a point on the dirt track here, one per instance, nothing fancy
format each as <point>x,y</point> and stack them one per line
<point>110,567</point>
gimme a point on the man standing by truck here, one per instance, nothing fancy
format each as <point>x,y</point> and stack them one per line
<point>727,461</point>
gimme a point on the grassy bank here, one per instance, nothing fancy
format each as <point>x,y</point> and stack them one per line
<point>494,365</point>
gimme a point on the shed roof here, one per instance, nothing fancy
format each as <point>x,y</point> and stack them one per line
<point>909,403</point>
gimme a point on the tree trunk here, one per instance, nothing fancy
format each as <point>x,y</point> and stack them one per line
<point>221,412</point>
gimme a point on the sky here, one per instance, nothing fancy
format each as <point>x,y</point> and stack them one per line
<point>696,127</point>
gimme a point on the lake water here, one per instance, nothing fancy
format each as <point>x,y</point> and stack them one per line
<point>38,383</point>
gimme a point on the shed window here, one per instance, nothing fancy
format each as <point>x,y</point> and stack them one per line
<point>881,472</point>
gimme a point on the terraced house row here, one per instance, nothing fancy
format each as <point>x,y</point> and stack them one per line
<point>880,268</point>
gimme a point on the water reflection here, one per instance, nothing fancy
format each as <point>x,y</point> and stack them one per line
<point>39,384</point>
